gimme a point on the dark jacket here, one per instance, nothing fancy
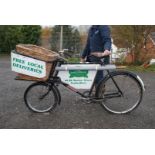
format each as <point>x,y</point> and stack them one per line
<point>98,40</point>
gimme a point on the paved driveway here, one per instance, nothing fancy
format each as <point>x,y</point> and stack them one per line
<point>14,113</point>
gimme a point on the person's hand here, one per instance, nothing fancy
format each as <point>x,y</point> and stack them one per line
<point>97,54</point>
<point>106,53</point>
<point>82,60</point>
<point>101,54</point>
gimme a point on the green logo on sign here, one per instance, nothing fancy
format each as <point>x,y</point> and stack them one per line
<point>79,73</point>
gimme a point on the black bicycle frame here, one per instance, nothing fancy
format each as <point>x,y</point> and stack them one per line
<point>58,80</point>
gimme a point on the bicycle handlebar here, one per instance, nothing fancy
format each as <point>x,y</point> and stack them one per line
<point>98,57</point>
<point>61,58</point>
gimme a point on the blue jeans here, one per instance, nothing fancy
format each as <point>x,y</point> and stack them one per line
<point>100,74</point>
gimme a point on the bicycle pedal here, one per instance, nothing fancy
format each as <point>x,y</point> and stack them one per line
<point>84,100</point>
<point>79,100</point>
<point>88,100</point>
<point>97,100</point>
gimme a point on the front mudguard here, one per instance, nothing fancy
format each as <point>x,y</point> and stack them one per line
<point>57,92</point>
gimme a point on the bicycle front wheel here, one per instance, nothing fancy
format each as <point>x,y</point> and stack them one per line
<point>121,93</point>
<point>40,97</point>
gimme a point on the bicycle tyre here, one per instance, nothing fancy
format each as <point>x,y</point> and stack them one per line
<point>39,99</point>
<point>133,85</point>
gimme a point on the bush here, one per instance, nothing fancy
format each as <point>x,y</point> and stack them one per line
<point>30,34</point>
<point>138,63</point>
<point>74,60</point>
<point>10,35</point>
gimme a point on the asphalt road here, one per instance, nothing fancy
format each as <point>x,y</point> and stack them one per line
<point>71,114</point>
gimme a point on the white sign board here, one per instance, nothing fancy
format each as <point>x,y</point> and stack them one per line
<point>79,79</point>
<point>28,66</point>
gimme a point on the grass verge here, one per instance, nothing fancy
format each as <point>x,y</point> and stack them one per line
<point>141,68</point>
<point>74,60</point>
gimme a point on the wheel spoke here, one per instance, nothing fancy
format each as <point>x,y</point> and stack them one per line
<point>131,93</point>
<point>38,98</point>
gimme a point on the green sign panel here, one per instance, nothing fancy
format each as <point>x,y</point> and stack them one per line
<point>79,73</point>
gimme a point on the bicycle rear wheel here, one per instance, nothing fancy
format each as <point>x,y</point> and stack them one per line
<point>40,97</point>
<point>124,100</point>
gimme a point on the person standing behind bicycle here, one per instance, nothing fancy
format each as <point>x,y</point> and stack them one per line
<point>98,45</point>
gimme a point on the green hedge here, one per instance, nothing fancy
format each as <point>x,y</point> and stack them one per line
<point>10,35</point>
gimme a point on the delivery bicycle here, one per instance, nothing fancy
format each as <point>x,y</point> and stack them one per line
<point>119,92</point>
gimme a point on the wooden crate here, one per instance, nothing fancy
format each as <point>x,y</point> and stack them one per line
<point>39,53</point>
<point>36,52</point>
